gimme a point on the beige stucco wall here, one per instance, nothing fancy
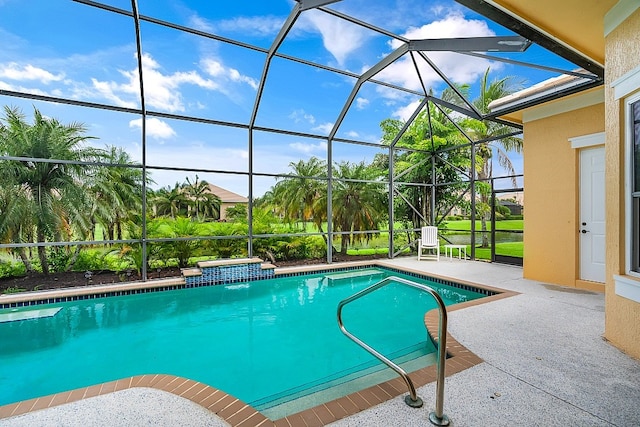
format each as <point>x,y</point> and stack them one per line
<point>226,205</point>
<point>551,188</point>
<point>622,54</point>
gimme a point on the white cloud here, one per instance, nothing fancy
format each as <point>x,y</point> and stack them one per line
<point>246,25</point>
<point>404,113</point>
<point>353,134</point>
<point>251,25</point>
<point>18,72</point>
<point>339,37</point>
<point>199,23</point>
<point>216,69</point>
<point>109,91</point>
<point>458,68</point>
<point>162,90</point>
<point>362,103</point>
<point>299,115</point>
<point>6,86</point>
<point>324,128</point>
<point>156,128</point>
<point>309,148</point>
<point>453,25</point>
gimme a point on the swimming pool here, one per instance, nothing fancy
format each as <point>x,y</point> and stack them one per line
<point>262,341</point>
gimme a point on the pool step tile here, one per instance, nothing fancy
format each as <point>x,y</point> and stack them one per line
<point>190,272</point>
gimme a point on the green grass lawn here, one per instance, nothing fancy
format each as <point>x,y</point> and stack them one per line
<point>514,249</point>
<point>505,224</point>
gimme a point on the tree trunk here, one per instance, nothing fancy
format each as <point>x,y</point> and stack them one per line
<point>324,237</point>
<point>25,260</point>
<point>483,224</point>
<point>118,229</point>
<point>485,236</point>
<point>74,258</point>
<point>344,243</point>
<point>42,253</point>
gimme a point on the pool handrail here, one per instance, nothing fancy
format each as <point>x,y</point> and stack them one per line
<point>436,417</point>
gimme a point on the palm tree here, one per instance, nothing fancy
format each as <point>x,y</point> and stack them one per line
<point>358,205</point>
<point>116,192</point>
<point>51,188</point>
<point>489,92</point>
<point>205,204</point>
<point>133,254</point>
<point>181,249</point>
<point>169,201</point>
<point>14,220</point>
<point>296,194</point>
<point>430,132</point>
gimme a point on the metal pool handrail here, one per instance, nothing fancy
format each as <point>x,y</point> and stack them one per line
<point>436,417</point>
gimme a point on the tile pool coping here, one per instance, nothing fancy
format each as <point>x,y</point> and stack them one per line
<point>239,413</point>
<point>35,298</point>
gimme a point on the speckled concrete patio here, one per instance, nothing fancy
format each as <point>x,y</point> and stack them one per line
<point>545,363</point>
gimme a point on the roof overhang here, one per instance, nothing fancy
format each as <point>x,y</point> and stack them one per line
<point>572,29</point>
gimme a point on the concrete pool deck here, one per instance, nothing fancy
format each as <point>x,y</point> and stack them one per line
<point>544,363</point>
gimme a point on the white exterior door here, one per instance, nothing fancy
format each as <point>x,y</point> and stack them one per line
<point>592,215</point>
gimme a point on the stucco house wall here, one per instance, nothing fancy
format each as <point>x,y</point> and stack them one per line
<point>622,58</point>
<point>551,188</point>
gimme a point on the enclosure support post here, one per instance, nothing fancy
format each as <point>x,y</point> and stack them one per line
<point>473,201</point>
<point>390,198</point>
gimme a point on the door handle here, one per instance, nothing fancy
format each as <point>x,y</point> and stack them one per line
<point>584,231</point>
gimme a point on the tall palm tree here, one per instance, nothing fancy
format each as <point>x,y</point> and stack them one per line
<point>14,220</point>
<point>51,187</point>
<point>357,205</point>
<point>116,192</point>
<point>169,201</point>
<point>296,194</point>
<point>478,130</point>
<point>205,204</point>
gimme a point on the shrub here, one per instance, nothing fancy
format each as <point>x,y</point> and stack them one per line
<point>58,258</point>
<point>11,269</point>
<point>92,260</point>
<point>503,211</point>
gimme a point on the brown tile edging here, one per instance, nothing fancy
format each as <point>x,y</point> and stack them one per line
<point>227,407</point>
<point>459,358</point>
<point>238,413</point>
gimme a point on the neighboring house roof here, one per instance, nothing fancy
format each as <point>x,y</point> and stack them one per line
<point>227,196</point>
<point>518,196</point>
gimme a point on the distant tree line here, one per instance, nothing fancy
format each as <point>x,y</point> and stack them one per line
<point>56,187</point>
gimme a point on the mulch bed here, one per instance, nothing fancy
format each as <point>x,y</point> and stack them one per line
<point>39,281</point>
<point>70,279</point>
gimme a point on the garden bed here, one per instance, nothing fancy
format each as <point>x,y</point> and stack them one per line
<point>39,281</point>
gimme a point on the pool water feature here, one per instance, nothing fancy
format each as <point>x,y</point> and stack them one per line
<point>265,342</point>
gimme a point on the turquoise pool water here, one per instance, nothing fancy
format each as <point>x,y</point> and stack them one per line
<point>258,341</point>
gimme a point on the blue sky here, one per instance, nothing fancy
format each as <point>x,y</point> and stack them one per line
<point>71,50</point>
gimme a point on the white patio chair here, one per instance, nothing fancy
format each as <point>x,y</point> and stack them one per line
<point>429,241</point>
